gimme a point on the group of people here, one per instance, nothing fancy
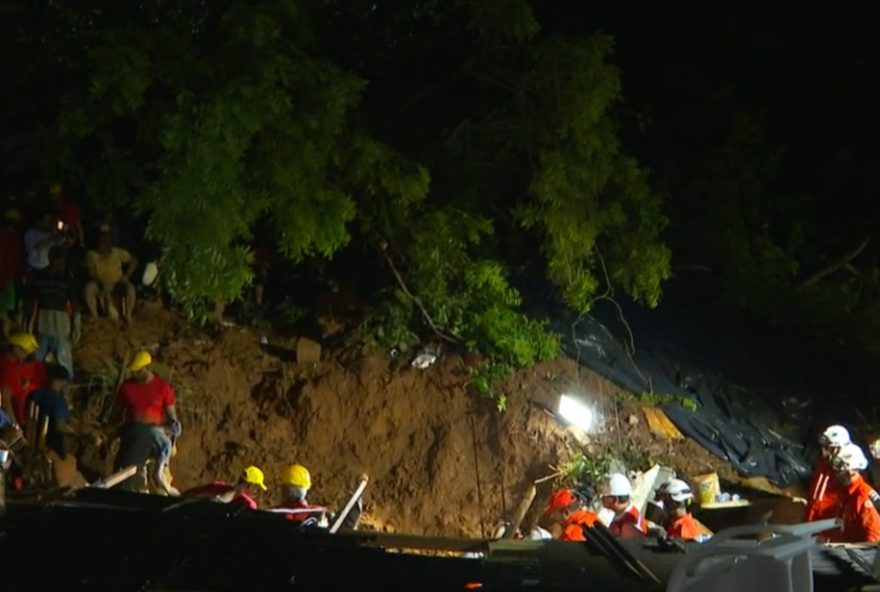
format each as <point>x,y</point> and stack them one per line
<point>570,513</point>
<point>47,276</point>
<point>838,490</point>
<point>146,422</point>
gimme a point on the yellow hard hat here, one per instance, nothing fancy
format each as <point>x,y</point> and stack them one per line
<point>56,189</point>
<point>298,476</point>
<point>25,341</point>
<point>254,476</point>
<point>142,359</point>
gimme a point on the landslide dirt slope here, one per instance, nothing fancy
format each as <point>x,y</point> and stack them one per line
<point>441,459</point>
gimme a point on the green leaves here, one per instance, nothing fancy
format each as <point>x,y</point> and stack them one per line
<point>588,199</point>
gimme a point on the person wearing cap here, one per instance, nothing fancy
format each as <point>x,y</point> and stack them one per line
<point>11,268</point>
<point>861,521</point>
<point>242,492</point>
<point>617,496</point>
<point>568,509</point>
<point>20,374</point>
<point>53,292</point>
<point>145,401</point>
<point>296,481</point>
<point>677,498</point>
<point>824,489</point>
<point>109,270</point>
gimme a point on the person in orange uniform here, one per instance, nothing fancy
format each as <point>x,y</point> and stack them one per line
<point>677,497</point>
<point>628,522</point>
<point>243,492</point>
<point>20,375</point>
<point>568,509</point>
<point>145,400</point>
<point>861,520</point>
<point>825,491</point>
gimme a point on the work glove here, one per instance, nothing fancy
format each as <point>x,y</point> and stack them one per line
<point>176,429</point>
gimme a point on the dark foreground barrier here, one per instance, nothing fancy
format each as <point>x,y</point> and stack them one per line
<point>107,540</point>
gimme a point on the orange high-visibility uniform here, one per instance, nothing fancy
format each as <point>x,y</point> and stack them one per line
<point>573,529</point>
<point>825,493</point>
<point>861,521</point>
<point>629,525</point>
<point>684,528</point>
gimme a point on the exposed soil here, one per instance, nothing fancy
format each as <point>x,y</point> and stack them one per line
<point>441,459</point>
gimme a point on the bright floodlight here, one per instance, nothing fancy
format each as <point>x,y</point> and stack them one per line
<point>575,412</point>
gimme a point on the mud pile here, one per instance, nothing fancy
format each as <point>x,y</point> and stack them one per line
<point>441,459</point>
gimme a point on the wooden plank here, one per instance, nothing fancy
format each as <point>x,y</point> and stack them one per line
<point>660,424</point>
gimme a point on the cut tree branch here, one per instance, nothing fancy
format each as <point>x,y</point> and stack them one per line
<point>842,263</point>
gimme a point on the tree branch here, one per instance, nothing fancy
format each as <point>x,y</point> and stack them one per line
<point>842,263</point>
<point>436,329</point>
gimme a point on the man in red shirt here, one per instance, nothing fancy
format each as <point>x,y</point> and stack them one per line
<point>568,510</point>
<point>825,491</point>
<point>616,496</point>
<point>861,521</point>
<point>677,496</point>
<point>20,375</point>
<point>145,400</point>
<point>242,492</point>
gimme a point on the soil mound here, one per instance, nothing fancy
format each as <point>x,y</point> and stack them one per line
<point>441,459</point>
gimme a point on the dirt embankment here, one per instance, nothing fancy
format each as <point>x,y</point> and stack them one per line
<point>440,458</point>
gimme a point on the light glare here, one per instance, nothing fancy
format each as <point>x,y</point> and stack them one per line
<point>575,412</point>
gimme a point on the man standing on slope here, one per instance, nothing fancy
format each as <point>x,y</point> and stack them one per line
<point>145,400</point>
<point>825,490</point>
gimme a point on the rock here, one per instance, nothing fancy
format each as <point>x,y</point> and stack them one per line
<point>307,351</point>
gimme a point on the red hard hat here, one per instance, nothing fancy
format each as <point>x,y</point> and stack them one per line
<point>560,500</point>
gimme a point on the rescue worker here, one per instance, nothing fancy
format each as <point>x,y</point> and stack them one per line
<point>677,497</point>
<point>861,521</point>
<point>145,401</point>
<point>242,492</point>
<point>568,510</point>
<point>824,490</point>
<point>616,496</point>
<point>295,484</point>
<point>20,374</point>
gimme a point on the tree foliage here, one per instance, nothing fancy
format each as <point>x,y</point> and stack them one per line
<point>206,119</point>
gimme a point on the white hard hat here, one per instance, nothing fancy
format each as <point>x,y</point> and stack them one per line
<point>678,490</point>
<point>539,534</point>
<point>619,485</point>
<point>850,458</point>
<point>151,270</point>
<point>835,435</point>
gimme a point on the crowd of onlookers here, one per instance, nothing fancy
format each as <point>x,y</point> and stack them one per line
<point>51,269</point>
